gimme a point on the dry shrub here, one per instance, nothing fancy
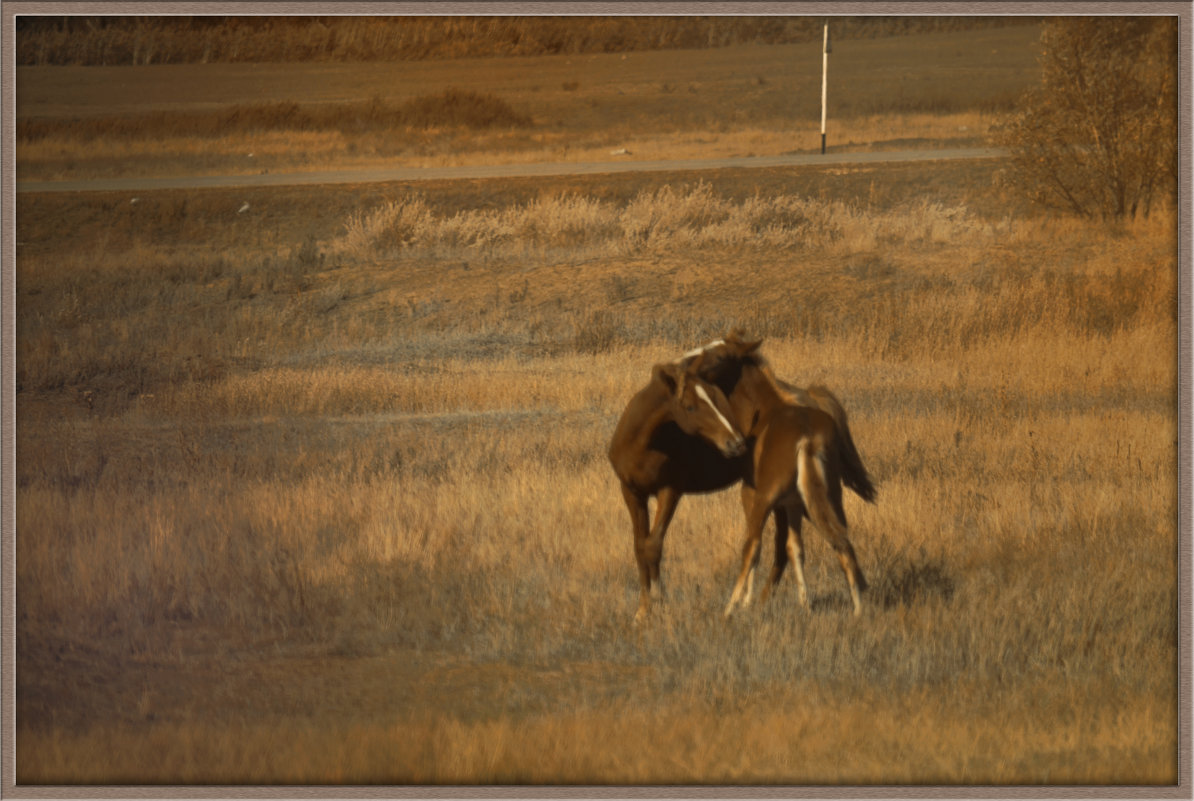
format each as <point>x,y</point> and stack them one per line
<point>1098,136</point>
<point>451,108</point>
<point>665,220</point>
<point>462,108</point>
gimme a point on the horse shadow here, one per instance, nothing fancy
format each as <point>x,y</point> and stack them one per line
<point>914,582</point>
<point>919,582</point>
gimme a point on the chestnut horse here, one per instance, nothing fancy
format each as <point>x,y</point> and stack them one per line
<point>799,461</point>
<point>675,436</point>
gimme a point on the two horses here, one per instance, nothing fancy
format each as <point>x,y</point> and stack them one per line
<point>800,454</point>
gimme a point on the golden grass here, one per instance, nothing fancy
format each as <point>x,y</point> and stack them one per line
<point>623,743</point>
<point>318,514</point>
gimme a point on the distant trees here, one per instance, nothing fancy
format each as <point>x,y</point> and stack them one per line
<point>1098,135</point>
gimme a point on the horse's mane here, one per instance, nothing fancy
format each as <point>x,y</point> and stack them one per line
<point>759,362</point>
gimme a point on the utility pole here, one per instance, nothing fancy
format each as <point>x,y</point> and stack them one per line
<point>826,49</point>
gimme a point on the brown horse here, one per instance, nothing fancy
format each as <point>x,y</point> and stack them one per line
<point>675,436</point>
<point>799,461</point>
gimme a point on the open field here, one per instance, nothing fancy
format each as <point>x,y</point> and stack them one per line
<point>314,490</point>
<point>317,493</point>
<point>928,89</point>
<point>140,41</point>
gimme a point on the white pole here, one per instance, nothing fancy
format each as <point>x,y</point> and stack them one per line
<point>824,82</point>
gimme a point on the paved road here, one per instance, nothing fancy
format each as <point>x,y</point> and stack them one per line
<point>498,171</point>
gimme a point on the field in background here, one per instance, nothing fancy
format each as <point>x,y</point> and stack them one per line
<point>924,90</point>
<point>317,492</point>
<point>141,41</point>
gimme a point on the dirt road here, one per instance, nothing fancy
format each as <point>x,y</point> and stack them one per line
<point>496,171</point>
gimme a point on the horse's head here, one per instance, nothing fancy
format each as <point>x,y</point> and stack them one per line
<point>720,362</point>
<point>699,407</point>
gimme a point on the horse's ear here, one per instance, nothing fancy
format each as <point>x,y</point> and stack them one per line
<point>670,374</point>
<point>737,338</point>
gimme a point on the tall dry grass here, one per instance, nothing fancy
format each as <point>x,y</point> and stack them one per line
<point>339,511</point>
<point>653,222</point>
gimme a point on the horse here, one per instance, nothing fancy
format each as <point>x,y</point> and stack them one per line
<point>675,436</point>
<point>799,462</point>
<point>673,463</point>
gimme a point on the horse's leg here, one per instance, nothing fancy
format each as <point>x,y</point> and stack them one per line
<point>636,502</point>
<point>781,525</point>
<point>829,517</point>
<point>665,507</point>
<point>794,547</point>
<point>750,553</point>
<point>781,552</point>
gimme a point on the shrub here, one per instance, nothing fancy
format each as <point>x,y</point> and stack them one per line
<point>1098,136</point>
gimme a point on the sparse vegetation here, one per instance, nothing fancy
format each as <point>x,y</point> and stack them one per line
<point>236,118</point>
<point>654,222</point>
<point>452,107</point>
<point>142,40</point>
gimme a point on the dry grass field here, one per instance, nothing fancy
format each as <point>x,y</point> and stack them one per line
<point>317,493</point>
<point>759,100</point>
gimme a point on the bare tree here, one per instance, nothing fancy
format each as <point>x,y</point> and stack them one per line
<point>1099,134</point>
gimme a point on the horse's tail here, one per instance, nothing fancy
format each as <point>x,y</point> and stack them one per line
<point>854,474</point>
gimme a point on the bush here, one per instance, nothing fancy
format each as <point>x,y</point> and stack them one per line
<point>1098,136</point>
<point>452,108</point>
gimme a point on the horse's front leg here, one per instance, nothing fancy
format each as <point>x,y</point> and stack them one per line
<point>665,506</point>
<point>636,503</point>
<point>750,554</point>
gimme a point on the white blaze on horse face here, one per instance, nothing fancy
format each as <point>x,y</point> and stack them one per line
<point>703,395</point>
<point>692,354</point>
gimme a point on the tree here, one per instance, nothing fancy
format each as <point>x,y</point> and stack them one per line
<point>1099,134</point>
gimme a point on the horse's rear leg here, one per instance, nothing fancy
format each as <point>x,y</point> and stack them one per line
<point>793,546</point>
<point>829,517</point>
<point>782,554</point>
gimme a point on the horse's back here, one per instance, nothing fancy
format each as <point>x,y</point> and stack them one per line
<point>854,473</point>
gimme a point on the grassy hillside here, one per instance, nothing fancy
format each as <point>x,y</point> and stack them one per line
<point>317,492</point>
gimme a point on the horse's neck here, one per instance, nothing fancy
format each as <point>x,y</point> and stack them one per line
<point>755,398</point>
<point>659,412</point>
